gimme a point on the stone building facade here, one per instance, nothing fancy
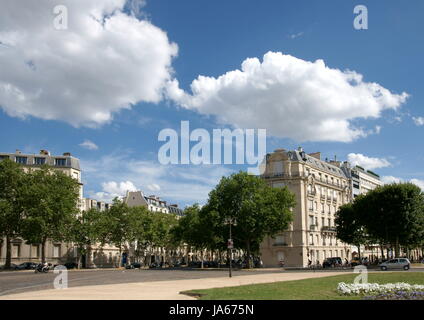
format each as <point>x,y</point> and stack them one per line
<point>320,188</point>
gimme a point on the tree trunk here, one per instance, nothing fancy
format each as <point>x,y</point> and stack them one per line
<point>79,257</point>
<point>397,248</point>
<point>382,252</point>
<point>201,256</point>
<point>248,253</point>
<point>359,252</point>
<point>8,253</point>
<point>43,251</point>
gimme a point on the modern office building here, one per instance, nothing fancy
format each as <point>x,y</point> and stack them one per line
<point>320,189</point>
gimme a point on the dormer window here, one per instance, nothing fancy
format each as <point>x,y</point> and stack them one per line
<point>21,160</point>
<point>39,161</point>
<point>60,162</point>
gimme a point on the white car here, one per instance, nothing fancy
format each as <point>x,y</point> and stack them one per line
<point>398,263</point>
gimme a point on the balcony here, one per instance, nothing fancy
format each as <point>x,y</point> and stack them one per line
<point>284,175</point>
<point>328,229</point>
<point>313,227</point>
<point>280,244</point>
<point>312,193</point>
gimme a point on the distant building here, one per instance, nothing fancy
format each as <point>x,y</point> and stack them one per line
<point>152,203</point>
<point>362,181</point>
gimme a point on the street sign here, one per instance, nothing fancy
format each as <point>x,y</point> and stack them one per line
<point>230,244</point>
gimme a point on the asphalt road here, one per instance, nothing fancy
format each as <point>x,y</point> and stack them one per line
<point>24,281</point>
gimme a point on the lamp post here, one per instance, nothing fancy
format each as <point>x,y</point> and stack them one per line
<point>230,245</point>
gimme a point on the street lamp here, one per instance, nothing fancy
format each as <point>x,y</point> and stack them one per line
<point>230,245</point>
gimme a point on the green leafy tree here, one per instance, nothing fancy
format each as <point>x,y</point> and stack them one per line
<point>50,201</point>
<point>163,225</point>
<point>140,229</point>
<point>86,229</point>
<point>259,209</point>
<point>194,229</point>
<point>115,226</point>
<point>349,228</point>
<point>12,183</point>
<point>394,214</point>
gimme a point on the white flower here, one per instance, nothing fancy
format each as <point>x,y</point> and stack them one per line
<point>361,288</point>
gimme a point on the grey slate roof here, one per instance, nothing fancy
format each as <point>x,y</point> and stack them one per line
<point>295,155</point>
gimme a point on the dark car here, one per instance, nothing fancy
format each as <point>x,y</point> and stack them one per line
<point>26,266</point>
<point>134,265</point>
<point>195,264</point>
<point>332,262</point>
<point>12,267</point>
<point>71,265</point>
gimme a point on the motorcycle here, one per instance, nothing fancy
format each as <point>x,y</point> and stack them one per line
<point>42,268</point>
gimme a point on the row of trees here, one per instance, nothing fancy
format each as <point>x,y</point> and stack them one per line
<point>123,227</point>
<point>258,210</point>
<point>391,216</point>
<point>36,205</point>
<point>41,205</point>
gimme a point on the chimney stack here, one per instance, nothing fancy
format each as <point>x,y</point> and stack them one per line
<point>44,152</point>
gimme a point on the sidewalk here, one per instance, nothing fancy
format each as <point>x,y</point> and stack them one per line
<point>158,290</point>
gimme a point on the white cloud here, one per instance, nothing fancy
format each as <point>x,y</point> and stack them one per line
<point>104,62</point>
<point>296,35</point>
<point>90,145</point>
<point>419,121</point>
<point>418,182</point>
<point>367,162</point>
<point>153,187</point>
<point>174,183</point>
<point>290,97</point>
<point>113,189</point>
<point>391,179</point>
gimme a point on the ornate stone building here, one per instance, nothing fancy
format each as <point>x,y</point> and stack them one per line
<point>320,188</point>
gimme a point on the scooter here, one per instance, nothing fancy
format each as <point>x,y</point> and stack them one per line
<point>42,268</point>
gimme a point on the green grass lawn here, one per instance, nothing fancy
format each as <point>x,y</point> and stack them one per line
<point>308,289</point>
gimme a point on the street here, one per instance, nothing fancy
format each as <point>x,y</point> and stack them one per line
<point>24,281</point>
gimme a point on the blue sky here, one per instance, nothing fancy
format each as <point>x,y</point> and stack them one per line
<point>117,107</point>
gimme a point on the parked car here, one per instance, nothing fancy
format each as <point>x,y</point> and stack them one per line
<point>332,262</point>
<point>26,266</point>
<point>355,262</point>
<point>398,263</point>
<point>154,265</point>
<point>195,264</point>
<point>134,265</point>
<point>12,267</point>
<point>71,265</point>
